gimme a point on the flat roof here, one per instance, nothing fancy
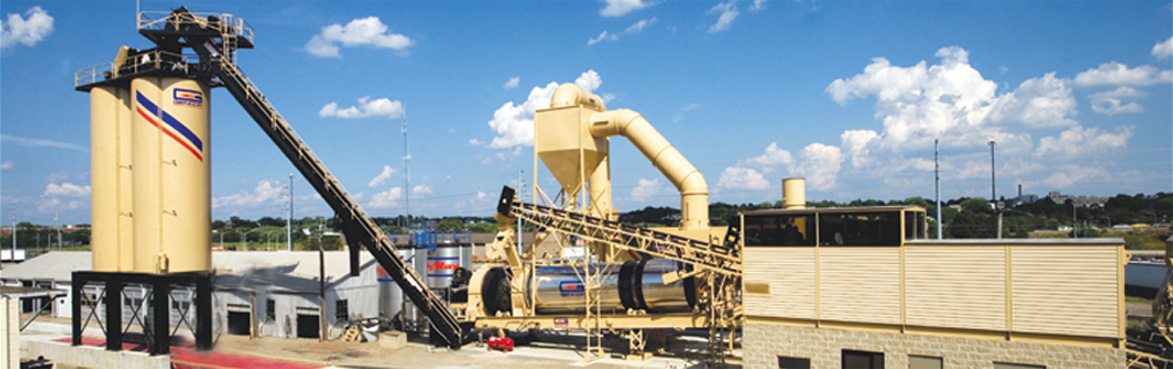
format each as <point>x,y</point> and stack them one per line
<point>14,291</point>
<point>1019,241</point>
<point>858,209</point>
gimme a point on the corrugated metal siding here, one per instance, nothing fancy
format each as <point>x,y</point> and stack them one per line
<point>860,284</point>
<point>1066,290</point>
<point>956,287</point>
<point>790,272</point>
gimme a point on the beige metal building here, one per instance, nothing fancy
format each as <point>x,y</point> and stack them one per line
<point>864,288</point>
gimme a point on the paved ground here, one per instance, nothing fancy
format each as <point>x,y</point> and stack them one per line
<point>558,351</point>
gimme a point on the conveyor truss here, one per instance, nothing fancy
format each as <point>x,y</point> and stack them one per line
<point>716,262</point>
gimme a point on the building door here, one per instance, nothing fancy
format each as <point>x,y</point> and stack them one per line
<point>239,319</point>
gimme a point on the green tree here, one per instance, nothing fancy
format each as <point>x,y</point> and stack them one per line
<point>450,224</point>
<point>483,227</point>
<point>976,205</point>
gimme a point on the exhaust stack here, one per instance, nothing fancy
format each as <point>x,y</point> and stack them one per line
<point>794,193</point>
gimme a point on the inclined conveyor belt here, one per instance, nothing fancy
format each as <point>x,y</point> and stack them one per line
<point>214,41</point>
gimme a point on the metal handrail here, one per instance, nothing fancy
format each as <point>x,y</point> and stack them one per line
<point>148,61</point>
<point>158,21</point>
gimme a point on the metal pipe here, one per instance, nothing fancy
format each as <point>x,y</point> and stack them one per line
<point>694,192</point>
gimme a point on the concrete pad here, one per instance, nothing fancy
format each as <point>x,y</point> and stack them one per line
<point>92,357</point>
<point>392,340</point>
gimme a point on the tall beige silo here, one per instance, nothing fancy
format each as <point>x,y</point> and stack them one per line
<point>172,176</point>
<point>112,238</point>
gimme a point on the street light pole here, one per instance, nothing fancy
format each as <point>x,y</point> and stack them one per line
<point>289,221</point>
<point>57,219</point>
<point>994,190</point>
<point>937,174</point>
<point>244,240</point>
<point>13,231</point>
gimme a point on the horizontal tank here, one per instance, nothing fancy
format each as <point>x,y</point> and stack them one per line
<point>560,290</point>
<point>636,285</point>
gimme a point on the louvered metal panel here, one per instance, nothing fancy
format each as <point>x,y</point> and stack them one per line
<point>860,284</point>
<point>790,273</point>
<point>956,286</point>
<point>1066,290</point>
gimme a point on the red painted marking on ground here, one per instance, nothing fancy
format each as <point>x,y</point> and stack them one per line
<point>186,358</point>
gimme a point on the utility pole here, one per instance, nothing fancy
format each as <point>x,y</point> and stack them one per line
<point>289,221</point>
<point>57,220</point>
<point>321,285</point>
<point>520,187</point>
<point>13,231</point>
<point>406,176</point>
<point>994,190</point>
<point>937,174</point>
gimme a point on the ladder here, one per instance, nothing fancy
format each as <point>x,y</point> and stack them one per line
<point>355,223</point>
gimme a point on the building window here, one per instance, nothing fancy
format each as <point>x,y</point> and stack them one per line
<point>270,310</point>
<point>793,363</point>
<point>862,360</point>
<point>859,229</point>
<point>780,230</point>
<point>1017,366</point>
<point>915,225</point>
<point>341,310</point>
<point>924,362</point>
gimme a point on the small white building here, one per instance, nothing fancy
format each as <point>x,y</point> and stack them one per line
<point>265,293</point>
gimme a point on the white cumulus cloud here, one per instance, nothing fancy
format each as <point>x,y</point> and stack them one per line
<point>66,189</point>
<point>266,191</point>
<point>820,164</point>
<point>6,165</point>
<point>1038,102</point>
<point>742,178</point>
<point>772,157</point>
<point>382,178</point>
<point>1068,175</point>
<point>951,101</point>
<point>369,31</point>
<point>859,143</point>
<point>514,123</point>
<point>366,108</point>
<point>1114,102</point>
<point>422,189</point>
<point>618,8</point>
<point>512,83</point>
<point>34,27</point>
<point>646,189</point>
<point>728,12</point>
<point>1162,50</point>
<point>1079,141</point>
<point>386,199</point>
<point>1114,73</point>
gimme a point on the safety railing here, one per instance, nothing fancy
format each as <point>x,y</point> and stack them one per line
<point>140,63</point>
<point>223,23</point>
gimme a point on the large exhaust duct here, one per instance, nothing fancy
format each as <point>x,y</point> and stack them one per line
<point>694,192</point>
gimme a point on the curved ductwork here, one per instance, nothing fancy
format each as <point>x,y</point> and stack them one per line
<point>569,94</point>
<point>694,192</point>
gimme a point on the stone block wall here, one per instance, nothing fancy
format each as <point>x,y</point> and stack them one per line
<point>763,343</point>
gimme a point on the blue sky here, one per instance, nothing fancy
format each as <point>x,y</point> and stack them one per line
<point>849,95</point>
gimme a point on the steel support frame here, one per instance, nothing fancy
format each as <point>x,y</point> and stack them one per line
<point>159,333</point>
